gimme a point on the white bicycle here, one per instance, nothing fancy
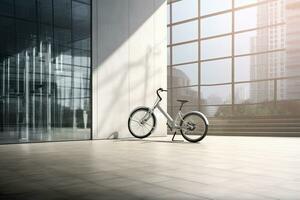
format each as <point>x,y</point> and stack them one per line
<point>192,125</point>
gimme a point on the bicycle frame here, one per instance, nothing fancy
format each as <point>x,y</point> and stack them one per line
<point>172,124</point>
<point>170,121</point>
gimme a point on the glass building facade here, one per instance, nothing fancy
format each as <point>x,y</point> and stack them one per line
<point>236,59</point>
<point>45,69</point>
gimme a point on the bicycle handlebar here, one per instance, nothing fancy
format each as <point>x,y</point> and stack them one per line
<point>160,90</point>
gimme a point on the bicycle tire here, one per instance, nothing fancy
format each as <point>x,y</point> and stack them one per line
<point>204,122</point>
<point>130,120</point>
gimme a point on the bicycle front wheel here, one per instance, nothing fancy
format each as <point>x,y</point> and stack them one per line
<point>193,127</point>
<point>141,122</point>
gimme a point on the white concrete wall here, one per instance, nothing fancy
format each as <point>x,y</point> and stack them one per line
<point>129,62</point>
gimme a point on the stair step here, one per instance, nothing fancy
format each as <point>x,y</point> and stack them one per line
<point>248,121</point>
<point>278,134</point>
<point>256,125</point>
<point>254,130</point>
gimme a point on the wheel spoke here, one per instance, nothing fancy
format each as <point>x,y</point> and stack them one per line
<point>143,127</point>
<point>135,120</point>
<point>148,124</point>
<point>146,128</point>
<point>144,123</point>
<point>199,125</point>
<point>140,128</point>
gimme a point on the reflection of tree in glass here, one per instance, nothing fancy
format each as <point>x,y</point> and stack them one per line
<point>284,108</point>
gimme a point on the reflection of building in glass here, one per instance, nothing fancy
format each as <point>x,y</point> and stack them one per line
<point>214,100</point>
<point>268,65</point>
<point>292,48</point>
<point>189,93</point>
<point>240,94</point>
<point>44,70</point>
<point>180,78</point>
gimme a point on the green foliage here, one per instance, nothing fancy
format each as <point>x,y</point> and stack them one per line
<point>285,108</point>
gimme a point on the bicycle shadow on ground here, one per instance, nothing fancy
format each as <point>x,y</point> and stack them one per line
<point>176,141</point>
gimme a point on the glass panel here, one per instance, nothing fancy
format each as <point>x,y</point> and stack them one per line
<point>238,3</point>
<point>185,53</point>
<point>287,109</point>
<point>169,77</point>
<point>180,8</point>
<point>271,4</point>
<point>26,33</point>
<point>25,9</point>
<point>7,7</point>
<point>46,32</point>
<point>81,58</point>
<point>245,18</point>
<point>185,32</point>
<point>63,36</point>
<point>185,75</point>
<point>62,13</point>
<point>242,93</point>
<point>45,11</point>
<point>288,89</point>
<point>84,43</point>
<point>254,92</point>
<point>245,42</point>
<point>216,25</point>
<point>168,14</point>
<point>213,6</point>
<point>260,66</point>
<point>80,21</point>
<point>217,47</point>
<point>216,111</point>
<point>256,110</point>
<point>260,40</point>
<point>258,16</point>
<point>216,95</point>
<point>7,34</point>
<point>218,71</point>
<point>188,93</point>
<point>84,1</point>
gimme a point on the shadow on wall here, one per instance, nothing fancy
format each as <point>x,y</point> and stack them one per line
<point>119,93</point>
<point>120,19</point>
<point>120,58</point>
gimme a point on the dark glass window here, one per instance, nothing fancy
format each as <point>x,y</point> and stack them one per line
<point>45,11</point>
<point>44,70</point>
<point>7,7</point>
<point>26,10</point>
<point>7,33</point>
<point>62,13</point>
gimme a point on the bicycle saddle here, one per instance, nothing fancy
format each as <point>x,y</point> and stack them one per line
<point>182,101</point>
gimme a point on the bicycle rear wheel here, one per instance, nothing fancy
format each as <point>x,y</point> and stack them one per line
<point>193,127</point>
<point>141,122</point>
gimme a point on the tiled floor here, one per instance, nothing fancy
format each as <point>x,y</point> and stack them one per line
<point>217,168</point>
